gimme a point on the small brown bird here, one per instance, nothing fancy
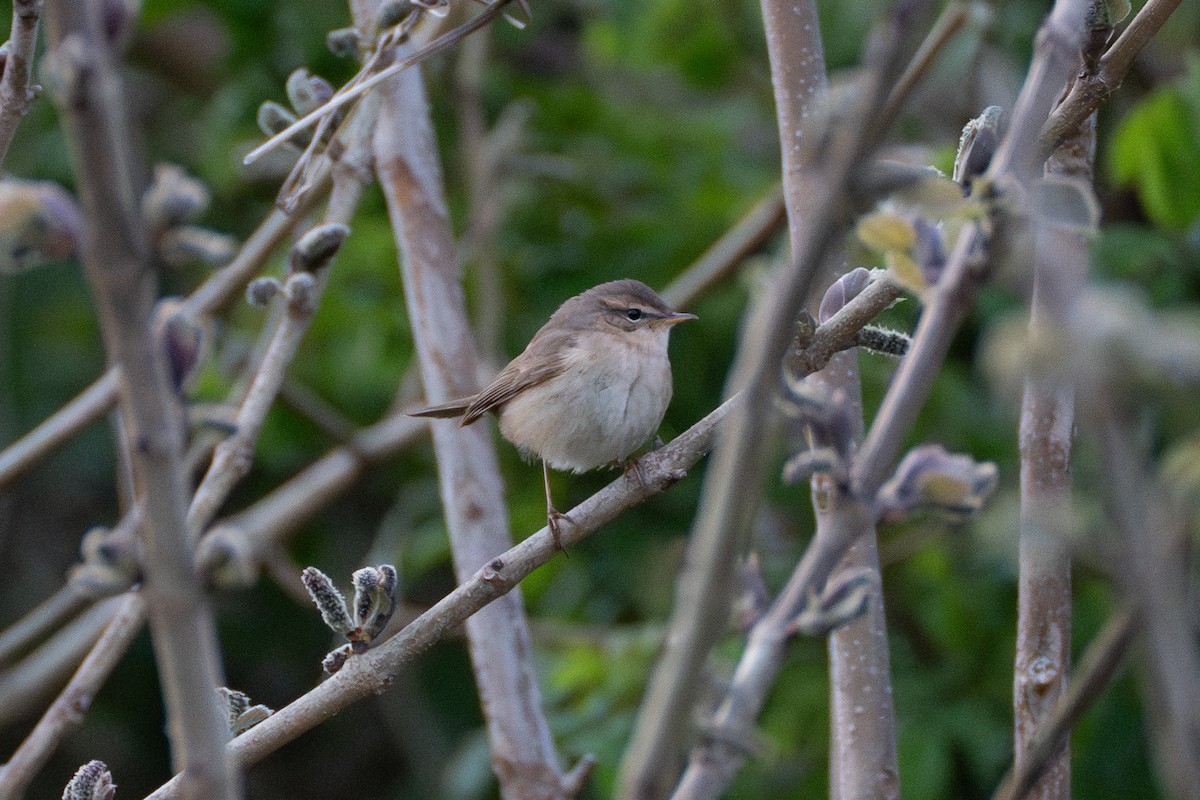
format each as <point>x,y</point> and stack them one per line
<point>591,386</point>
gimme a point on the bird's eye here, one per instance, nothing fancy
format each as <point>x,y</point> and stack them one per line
<point>633,314</point>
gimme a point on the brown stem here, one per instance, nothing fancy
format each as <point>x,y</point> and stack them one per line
<point>1043,652</point>
<point>67,712</point>
<point>1090,90</point>
<point>862,715</point>
<point>1096,670</point>
<point>115,257</point>
<point>16,92</point>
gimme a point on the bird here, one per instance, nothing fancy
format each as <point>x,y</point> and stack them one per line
<point>592,385</point>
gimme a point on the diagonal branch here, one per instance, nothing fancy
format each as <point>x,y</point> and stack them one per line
<point>1092,89</point>
<point>67,712</point>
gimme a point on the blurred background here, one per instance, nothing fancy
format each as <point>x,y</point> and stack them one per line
<point>641,131</point>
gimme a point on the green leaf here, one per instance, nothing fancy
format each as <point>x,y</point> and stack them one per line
<point>1156,150</point>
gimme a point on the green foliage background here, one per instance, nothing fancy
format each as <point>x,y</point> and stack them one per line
<point>651,131</point>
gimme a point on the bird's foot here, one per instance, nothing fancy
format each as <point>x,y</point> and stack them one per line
<point>554,519</point>
<point>633,467</point>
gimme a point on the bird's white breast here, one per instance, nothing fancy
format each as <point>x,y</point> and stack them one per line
<point>609,400</point>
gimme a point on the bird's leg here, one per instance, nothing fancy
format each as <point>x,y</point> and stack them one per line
<point>553,515</point>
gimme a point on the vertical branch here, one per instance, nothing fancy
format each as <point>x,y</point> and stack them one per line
<point>1043,655</point>
<point>523,754</point>
<point>862,716</point>
<point>1156,578</point>
<point>116,261</point>
<point>704,588</point>
<point>16,93</point>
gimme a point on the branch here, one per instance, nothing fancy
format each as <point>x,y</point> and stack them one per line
<point>211,296</point>
<point>58,429</point>
<point>66,713</point>
<point>366,84</point>
<point>1043,652</point>
<point>116,260</point>
<point>234,456</point>
<point>26,684</point>
<point>16,92</point>
<point>36,624</point>
<point>1154,574</point>
<point>1092,89</point>
<point>523,754</point>
<point>862,714</point>
<point>815,197</point>
<point>1013,166</point>
<point>1096,670</point>
<point>715,762</point>
<point>372,672</point>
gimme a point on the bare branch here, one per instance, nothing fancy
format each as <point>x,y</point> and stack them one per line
<point>37,624</point>
<point>366,84</point>
<point>748,234</point>
<point>29,682</point>
<point>1090,90</point>
<point>1096,670</point>
<point>305,284</point>
<point>116,261</point>
<point>67,712</point>
<point>88,406</point>
<point>16,91</point>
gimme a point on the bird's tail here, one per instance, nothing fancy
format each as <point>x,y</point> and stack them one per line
<point>455,408</point>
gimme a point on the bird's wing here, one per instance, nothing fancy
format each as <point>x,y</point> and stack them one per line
<point>543,359</point>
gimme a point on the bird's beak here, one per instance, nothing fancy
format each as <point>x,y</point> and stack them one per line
<point>676,317</point>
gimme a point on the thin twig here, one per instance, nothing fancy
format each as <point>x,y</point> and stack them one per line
<point>67,712</point>
<point>361,87</point>
<point>234,456</point>
<point>16,91</point>
<point>37,623</point>
<point>26,684</point>
<point>100,397</point>
<point>1090,90</point>
<point>953,17</point>
<point>1096,669</point>
<point>59,428</point>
